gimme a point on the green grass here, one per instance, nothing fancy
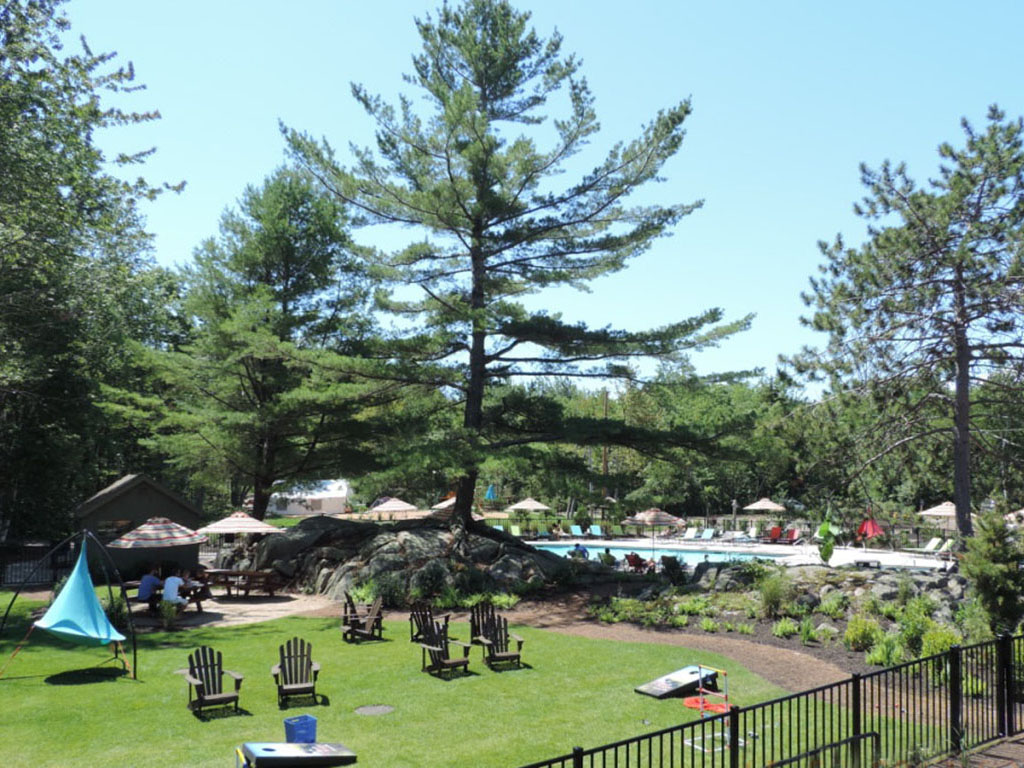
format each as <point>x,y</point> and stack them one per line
<point>577,691</point>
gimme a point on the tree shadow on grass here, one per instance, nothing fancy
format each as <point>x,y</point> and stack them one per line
<point>86,676</point>
<point>220,713</point>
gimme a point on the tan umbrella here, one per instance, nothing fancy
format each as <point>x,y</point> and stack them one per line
<point>941,515</point>
<point>239,522</point>
<point>157,532</point>
<point>394,504</point>
<point>655,518</point>
<point>765,505</point>
<point>446,504</point>
<point>528,505</point>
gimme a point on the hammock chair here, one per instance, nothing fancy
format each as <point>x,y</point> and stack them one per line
<point>76,614</point>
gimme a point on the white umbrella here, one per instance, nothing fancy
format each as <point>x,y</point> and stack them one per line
<point>528,505</point>
<point>653,517</point>
<point>446,504</point>
<point>157,532</point>
<point>942,515</point>
<point>239,522</point>
<point>394,504</point>
<point>765,505</point>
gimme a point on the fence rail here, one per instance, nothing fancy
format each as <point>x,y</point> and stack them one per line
<point>912,712</point>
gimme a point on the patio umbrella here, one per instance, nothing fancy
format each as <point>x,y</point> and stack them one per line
<point>239,522</point>
<point>941,515</point>
<point>765,505</point>
<point>655,518</point>
<point>528,505</point>
<point>157,532</point>
<point>394,504</point>
<point>446,504</point>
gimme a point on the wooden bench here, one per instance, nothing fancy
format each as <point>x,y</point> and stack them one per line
<point>244,582</point>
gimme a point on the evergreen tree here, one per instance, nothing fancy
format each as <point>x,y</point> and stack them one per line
<point>498,225</point>
<point>992,566</point>
<point>930,304</point>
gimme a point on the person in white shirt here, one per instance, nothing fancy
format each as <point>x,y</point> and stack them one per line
<point>171,586</point>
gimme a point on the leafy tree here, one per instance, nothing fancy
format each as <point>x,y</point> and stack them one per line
<point>930,304</point>
<point>265,389</point>
<point>497,225</point>
<point>70,268</point>
<point>992,566</point>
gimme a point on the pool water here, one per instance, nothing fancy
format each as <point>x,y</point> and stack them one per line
<point>690,557</point>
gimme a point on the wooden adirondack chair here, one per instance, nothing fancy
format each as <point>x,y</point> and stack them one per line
<point>436,646</point>
<point>205,677</point>
<point>369,627</point>
<point>353,612</point>
<point>296,673</point>
<point>495,639</point>
<point>422,615</point>
<point>478,615</point>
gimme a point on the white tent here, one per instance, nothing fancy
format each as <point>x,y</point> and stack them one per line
<point>393,504</point>
<point>528,505</point>
<point>324,497</point>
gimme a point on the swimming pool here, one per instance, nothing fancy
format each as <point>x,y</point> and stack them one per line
<point>689,557</point>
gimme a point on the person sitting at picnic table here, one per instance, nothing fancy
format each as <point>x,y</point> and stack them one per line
<point>172,585</point>
<point>199,585</point>
<point>579,551</point>
<point>148,587</point>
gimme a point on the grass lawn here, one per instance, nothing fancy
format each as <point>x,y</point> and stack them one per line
<point>577,691</point>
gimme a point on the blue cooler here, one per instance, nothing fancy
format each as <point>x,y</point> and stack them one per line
<point>300,729</point>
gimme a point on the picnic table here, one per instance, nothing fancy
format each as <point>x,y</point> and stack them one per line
<point>195,593</point>
<point>244,582</point>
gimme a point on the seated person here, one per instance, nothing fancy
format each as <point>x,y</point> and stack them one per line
<point>199,585</point>
<point>607,557</point>
<point>148,587</point>
<point>579,551</point>
<point>172,586</point>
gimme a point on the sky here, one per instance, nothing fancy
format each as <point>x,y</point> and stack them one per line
<point>789,98</point>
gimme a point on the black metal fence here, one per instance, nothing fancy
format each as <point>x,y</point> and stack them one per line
<point>910,713</point>
<point>20,563</point>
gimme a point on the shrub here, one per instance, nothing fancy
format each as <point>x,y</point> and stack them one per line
<point>938,639</point>
<point>698,605</point>
<point>363,593</point>
<point>117,612</point>
<point>431,579</point>
<point>168,613</point>
<point>391,588</point>
<point>991,565</point>
<point>785,627</point>
<point>973,622</point>
<point>834,605</point>
<point>776,591</point>
<point>887,651</point>
<point>504,600</point>
<point>827,634</point>
<point>913,624</point>
<point>808,634</point>
<point>904,589</point>
<point>745,629</point>
<point>871,605</point>
<point>679,621</point>
<point>448,598</point>
<point>708,624</point>
<point>862,632</point>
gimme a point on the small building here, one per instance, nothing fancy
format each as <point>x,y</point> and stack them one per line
<point>128,503</point>
<point>320,497</point>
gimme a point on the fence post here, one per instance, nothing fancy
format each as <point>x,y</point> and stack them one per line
<point>734,736</point>
<point>1004,672</point>
<point>577,757</point>
<point>956,694</point>
<point>857,723</point>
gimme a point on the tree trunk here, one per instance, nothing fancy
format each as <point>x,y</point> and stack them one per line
<point>961,413</point>
<point>473,414</point>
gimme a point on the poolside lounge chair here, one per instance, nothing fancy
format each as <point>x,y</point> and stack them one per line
<point>617,531</point>
<point>205,677</point>
<point>931,547</point>
<point>422,615</point>
<point>296,673</point>
<point>496,639</point>
<point>515,531</point>
<point>576,531</point>
<point>479,615</point>
<point>369,628</point>
<point>498,527</point>
<point>595,531</point>
<point>691,533</point>
<point>773,535</point>
<point>436,646</point>
<point>707,534</point>
<point>792,536</point>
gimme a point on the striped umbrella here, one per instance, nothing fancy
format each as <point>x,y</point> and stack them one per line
<point>239,522</point>
<point>157,532</point>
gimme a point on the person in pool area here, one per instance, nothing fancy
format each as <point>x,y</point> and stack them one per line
<point>607,557</point>
<point>580,551</point>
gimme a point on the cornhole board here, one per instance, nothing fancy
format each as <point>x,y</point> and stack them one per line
<point>678,683</point>
<point>284,755</point>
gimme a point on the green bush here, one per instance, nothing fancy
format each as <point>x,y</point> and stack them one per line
<point>448,598</point>
<point>905,588</point>
<point>708,624</point>
<point>887,651</point>
<point>808,634</point>
<point>834,605</point>
<point>785,627</point>
<point>938,639</point>
<point>679,621</point>
<point>504,600</point>
<point>871,605</point>
<point>776,590</point>
<point>862,632</point>
<point>390,587</point>
<point>973,621</point>
<point>698,605</point>
<point>745,629</point>
<point>913,623</point>
<point>117,612</point>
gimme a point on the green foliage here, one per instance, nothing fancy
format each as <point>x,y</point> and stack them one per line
<point>745,629</point>
<point>973,621</point>
<point>504,600</point>
<point>776,591</point>
<point>834,605</point>
<point>862,632</point>
<point>808,634</point>
<point>785,627</point>
<point>708,624</point>
<point>905,589</point>
<point>679,621</point>
<point>912,626</point>
<point>696,605</point>
<point>992,566</point>
<point>448,597</point>
<point>168,613</point>
<point>116,610</point>
<point>938,639</point>
<point>887,650</point>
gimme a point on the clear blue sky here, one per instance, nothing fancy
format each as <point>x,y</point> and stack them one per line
<point>789,97</point>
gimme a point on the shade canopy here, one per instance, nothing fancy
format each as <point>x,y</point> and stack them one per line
<point>653,517</point>
<point>157,532</point>
<point>394,504</point>
<point>764,505</point>
<point>528,505</point>
<point>239,522</point>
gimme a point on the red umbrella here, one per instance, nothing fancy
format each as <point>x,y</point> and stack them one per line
<point>158,532</point>
<point>869,528</point>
